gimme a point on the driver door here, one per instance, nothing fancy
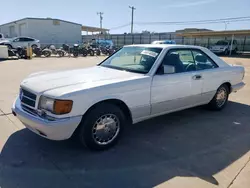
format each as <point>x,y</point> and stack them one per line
<point>179,90</point>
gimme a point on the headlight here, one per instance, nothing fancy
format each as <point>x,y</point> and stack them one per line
<point>55,106</point>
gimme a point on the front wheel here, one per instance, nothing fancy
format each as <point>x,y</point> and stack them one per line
<point>75,54</point>
<point>220,98</point>
<point>101,128</point>
<point>46,53</point>
<point>61,53</point>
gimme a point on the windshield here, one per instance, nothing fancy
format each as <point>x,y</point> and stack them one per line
<point>221,42</point>
<point>133,59</point>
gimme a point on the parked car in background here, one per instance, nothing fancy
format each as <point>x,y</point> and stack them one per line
<point>21,41</point>
<point>224,46</point>
<point>136,83</point>
<point>1,36</point>
<point>164,42</point>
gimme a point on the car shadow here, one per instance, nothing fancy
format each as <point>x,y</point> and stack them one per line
<point>191,143</point>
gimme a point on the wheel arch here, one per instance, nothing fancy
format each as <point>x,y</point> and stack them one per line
<point>228,84</point>
<point>118,102</point>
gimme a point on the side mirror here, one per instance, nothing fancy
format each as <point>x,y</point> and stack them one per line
<point>168,69</point>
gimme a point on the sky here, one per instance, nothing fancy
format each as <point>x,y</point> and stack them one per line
<point>118,13</point>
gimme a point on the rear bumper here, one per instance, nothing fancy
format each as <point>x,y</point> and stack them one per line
<point>59,129</point>
<point>235,88</point>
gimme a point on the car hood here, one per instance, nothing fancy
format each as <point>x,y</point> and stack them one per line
<point>4,41</point>
<point>44,81</point>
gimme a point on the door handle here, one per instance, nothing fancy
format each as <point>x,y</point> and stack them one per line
<point>197,77</point>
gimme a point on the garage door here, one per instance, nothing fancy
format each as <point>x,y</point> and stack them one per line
<point>12,31</point>
<point>22,29</point>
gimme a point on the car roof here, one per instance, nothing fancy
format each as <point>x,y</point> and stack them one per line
<point>23,37</point>
<point>164,46</point>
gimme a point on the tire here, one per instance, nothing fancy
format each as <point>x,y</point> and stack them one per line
<point>235,51</point>
<point>88,132</point>
<point>46,53</point>
<point>84,54</point>
<point>216,103</point>
<point>226,52</point>
<point>91,53</point>
<point>75,54</point>
<point>98,52</point>
<point>34,46</point>
<point>60,53</point>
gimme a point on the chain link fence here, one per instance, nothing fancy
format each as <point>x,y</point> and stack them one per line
<point>119,40</point>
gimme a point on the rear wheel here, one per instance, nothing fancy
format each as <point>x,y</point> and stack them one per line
<point>101,128</point>
<point>91,53</point>
<point>34,46</point>
<point>98,52</point>
<point>220,99</point>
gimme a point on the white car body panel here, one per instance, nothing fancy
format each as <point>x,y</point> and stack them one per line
<point>15,44</point>
<point>145,95</point>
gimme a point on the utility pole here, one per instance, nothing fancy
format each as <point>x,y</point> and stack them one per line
<point>101,18</point>
<point>226,23</point>
<point>132,20</point>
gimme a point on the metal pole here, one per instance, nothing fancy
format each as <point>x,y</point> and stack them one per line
<point>132,18</point>
<point>244,43</point>
<point>101,18</point>
<point>231,46</point>
<point>117,39</point>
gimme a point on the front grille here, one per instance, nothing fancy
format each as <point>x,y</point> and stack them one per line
<point>27,98</point>
<point>29,110</point>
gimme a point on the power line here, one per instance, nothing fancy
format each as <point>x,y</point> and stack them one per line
<point>235,19</point>
<point>132,18</point>
<point>196,22</point>
<point>119,27</point>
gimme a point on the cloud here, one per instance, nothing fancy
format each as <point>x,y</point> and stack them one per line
<point>192,3</point>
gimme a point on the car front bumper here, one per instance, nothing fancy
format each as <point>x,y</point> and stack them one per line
<point>58,129</point>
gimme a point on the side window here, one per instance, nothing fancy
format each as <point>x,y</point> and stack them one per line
<point>28,39</point>
<point>21,39</point>
<point>180,60</point>
<point>202,61</point>
<point>16,40</point>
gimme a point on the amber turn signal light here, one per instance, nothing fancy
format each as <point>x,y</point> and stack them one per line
<point>62,106</point>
